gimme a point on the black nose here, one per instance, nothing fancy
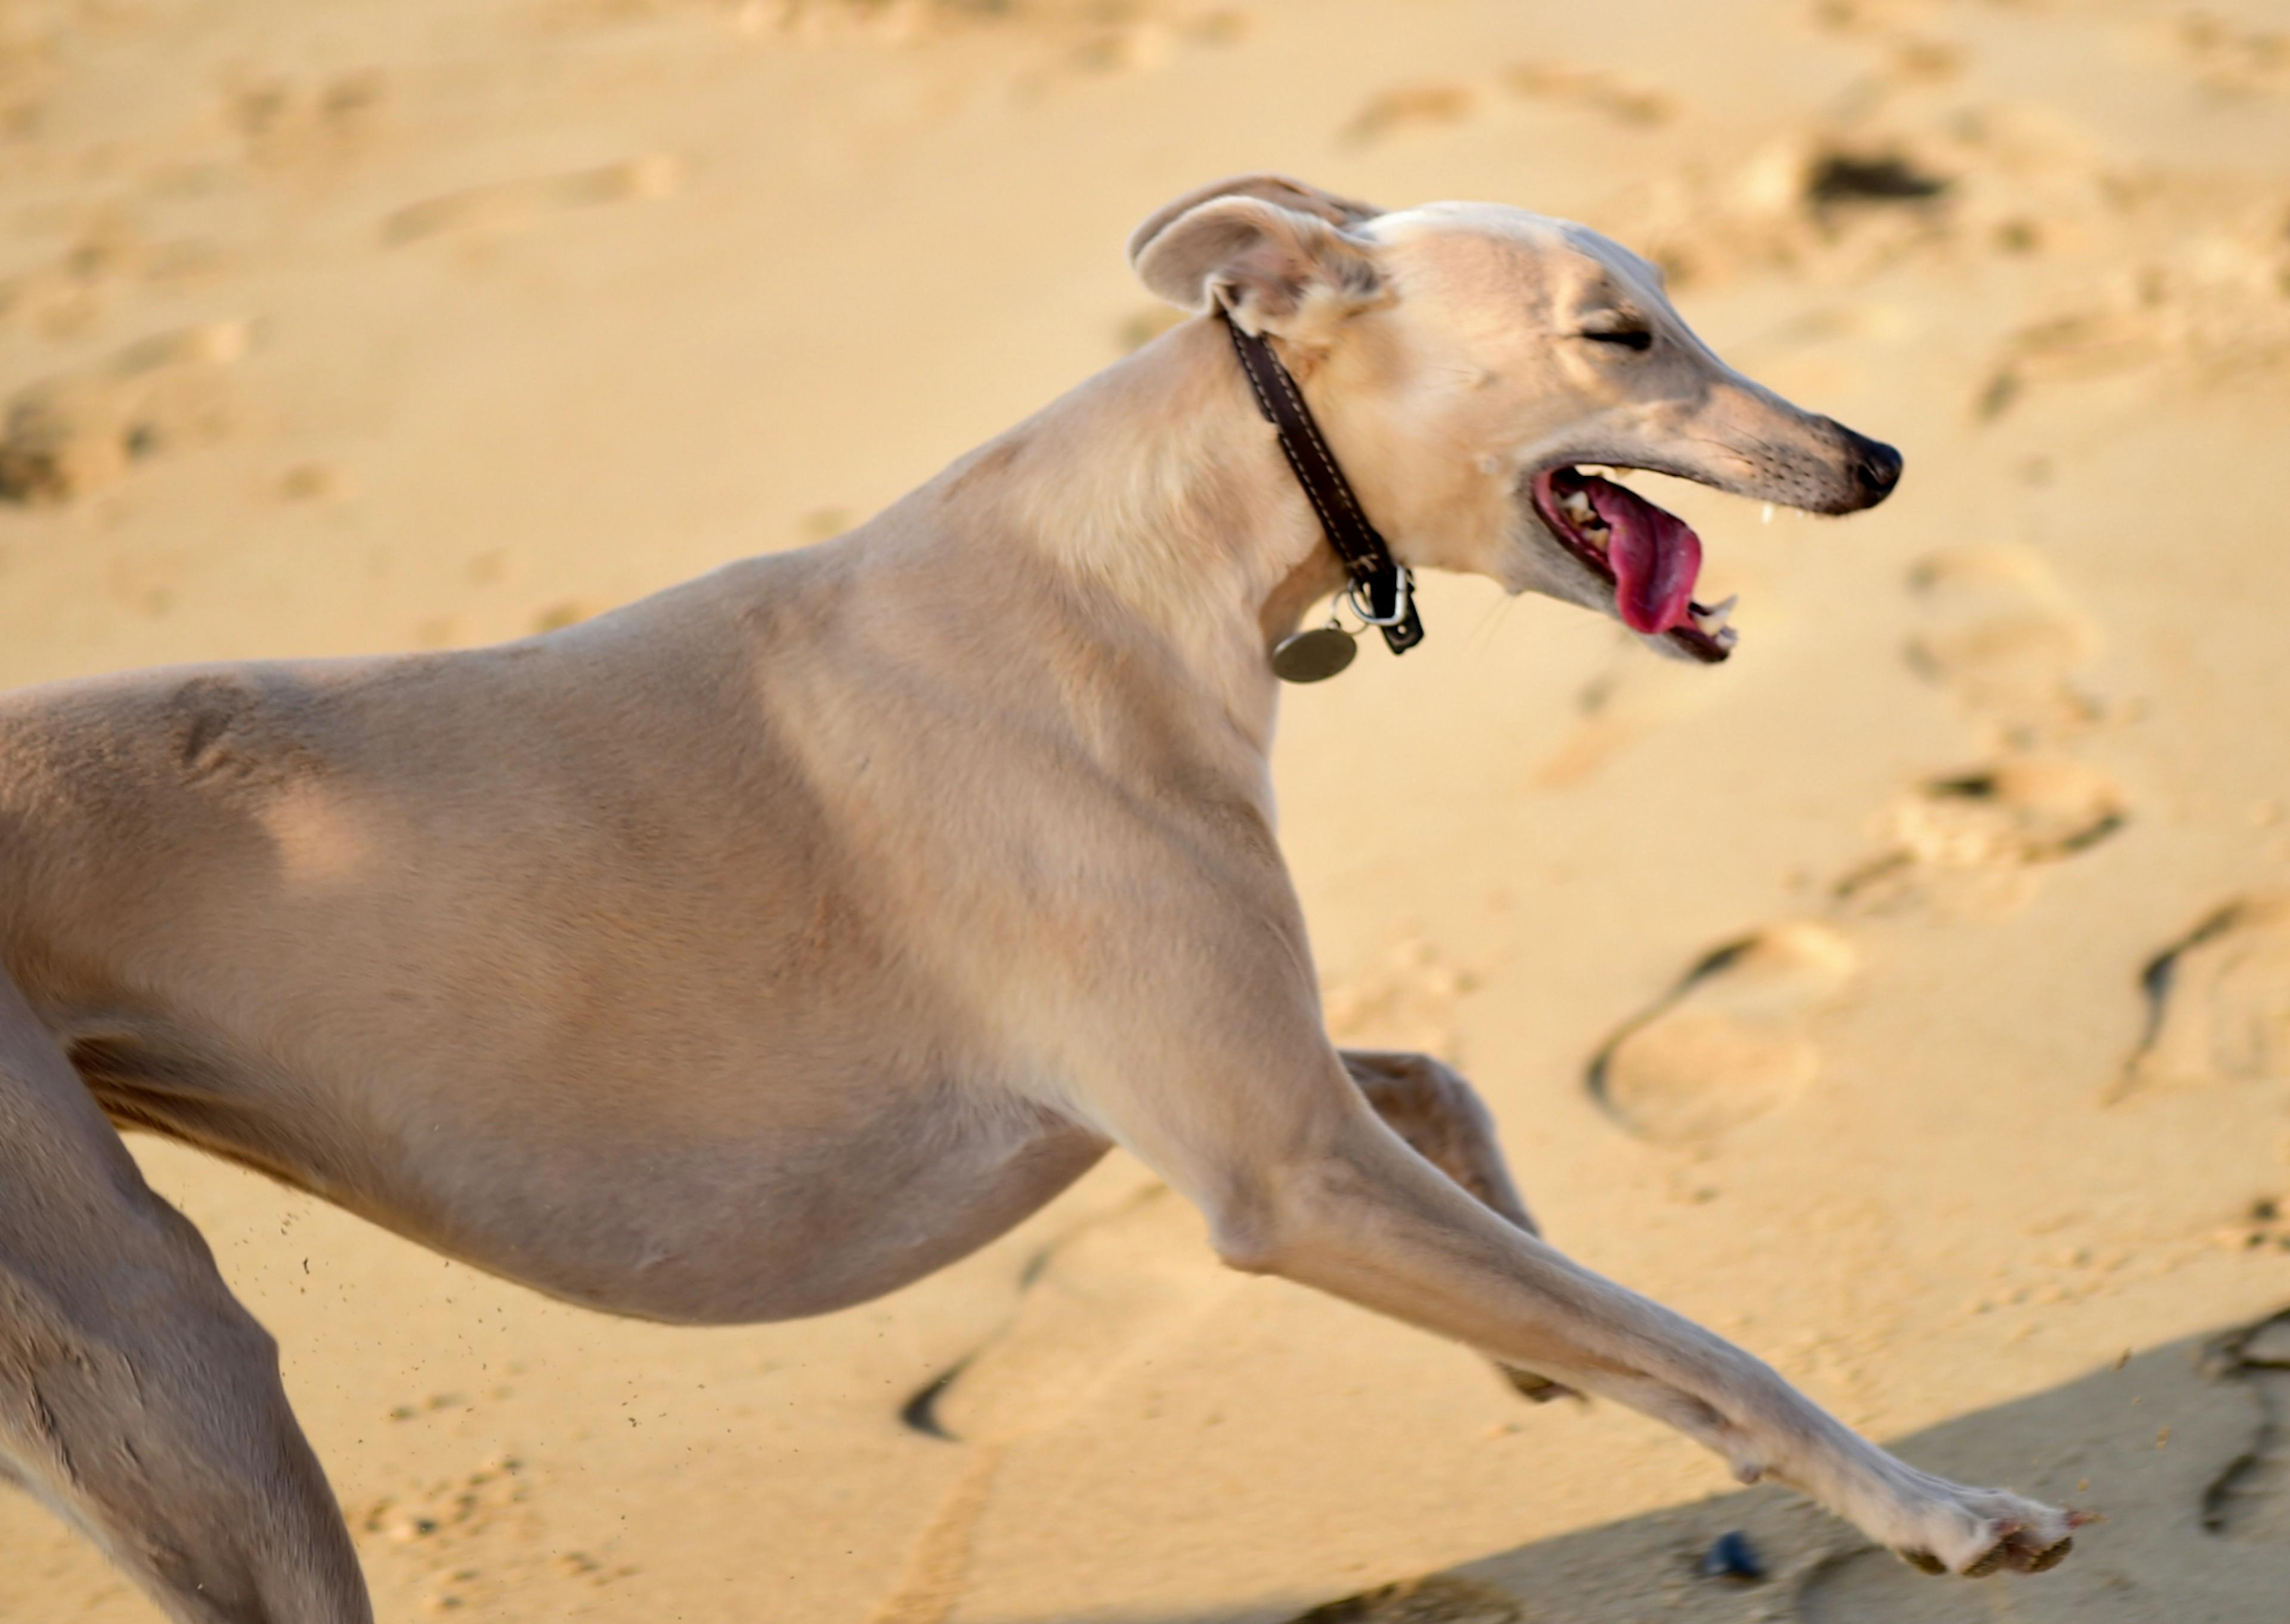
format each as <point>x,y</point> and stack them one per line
<point>1876,467</point>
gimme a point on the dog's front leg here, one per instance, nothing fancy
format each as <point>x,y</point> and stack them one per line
<point>1300,1178</point>
<point>1428,1103</point>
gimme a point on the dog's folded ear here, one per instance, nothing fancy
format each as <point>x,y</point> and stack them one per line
<point>1259,246</point>
<point>1293,196</point>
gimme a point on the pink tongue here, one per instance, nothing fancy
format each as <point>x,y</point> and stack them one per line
<point>1655,554</point>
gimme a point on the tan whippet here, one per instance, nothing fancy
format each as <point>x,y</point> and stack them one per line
<point>765,945</point>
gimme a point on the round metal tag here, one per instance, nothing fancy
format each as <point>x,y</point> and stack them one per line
<point>1313,656</point>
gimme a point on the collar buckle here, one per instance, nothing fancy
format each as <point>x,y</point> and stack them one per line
<point>1401,593</point>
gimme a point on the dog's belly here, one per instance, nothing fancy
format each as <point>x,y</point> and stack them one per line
<point>700,1199</point>
<point>767,1224</point>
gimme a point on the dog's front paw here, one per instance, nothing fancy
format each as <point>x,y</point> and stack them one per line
<point>1978,1532</point>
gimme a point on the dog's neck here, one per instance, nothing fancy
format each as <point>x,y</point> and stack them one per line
<point>1159,483</point>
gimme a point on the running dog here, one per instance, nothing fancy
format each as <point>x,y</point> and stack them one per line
<point>763,946</point>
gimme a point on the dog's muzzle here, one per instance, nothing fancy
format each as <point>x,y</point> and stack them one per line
<point>1876,466</point>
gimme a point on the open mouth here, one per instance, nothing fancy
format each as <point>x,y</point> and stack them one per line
<point>1649,556</point>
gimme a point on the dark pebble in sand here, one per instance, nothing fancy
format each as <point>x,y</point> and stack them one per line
<point>1731,1557</point>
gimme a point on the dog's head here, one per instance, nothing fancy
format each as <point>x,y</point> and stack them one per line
<point>1469,359</point>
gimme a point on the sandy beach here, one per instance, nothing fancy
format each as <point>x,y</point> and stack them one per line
<point>1908,999</point>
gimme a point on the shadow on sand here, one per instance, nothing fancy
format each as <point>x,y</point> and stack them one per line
<point>2185,1449</point>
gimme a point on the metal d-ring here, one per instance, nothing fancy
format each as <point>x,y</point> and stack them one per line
<point>1401,594</point>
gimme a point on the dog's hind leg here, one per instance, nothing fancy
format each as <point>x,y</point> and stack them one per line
<point>137,1397</point>
<point>1428,1103</point>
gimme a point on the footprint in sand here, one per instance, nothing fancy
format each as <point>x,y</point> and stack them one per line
<point>1999,631</point>
<point>1967,841</point>
<point>2250,1499</point>
<point>2207,307</point>
<point>1730,1043</point>
<point>1412,107</point>
<point>1432,103</point>
<point>1091,1306</point>
<point>2219,1002</point>
<point>2016,811</point>
<point>1813,197</point>
<point>79,431</point>
<point>1440,1599</point>
<point>517,203</point>
<point>475,1537</point>
<point>2233,61</point>
<point>70,293</point>
<point>283,121</point>
<point>1405,1000</point>
<point>1620,99</point>
<point>447,1513</point>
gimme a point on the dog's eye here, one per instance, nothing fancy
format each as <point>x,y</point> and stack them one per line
<point>1628,337</point>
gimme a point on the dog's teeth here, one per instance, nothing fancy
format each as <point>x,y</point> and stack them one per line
<point>1577,507</point>
<point>1717,614</point>
<point>1766,517</point>
<point>1726,637</point>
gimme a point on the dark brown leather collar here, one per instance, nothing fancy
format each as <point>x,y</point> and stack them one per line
<point>1379,578</point>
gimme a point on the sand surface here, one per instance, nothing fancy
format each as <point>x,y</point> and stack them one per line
<point>346,326</point>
